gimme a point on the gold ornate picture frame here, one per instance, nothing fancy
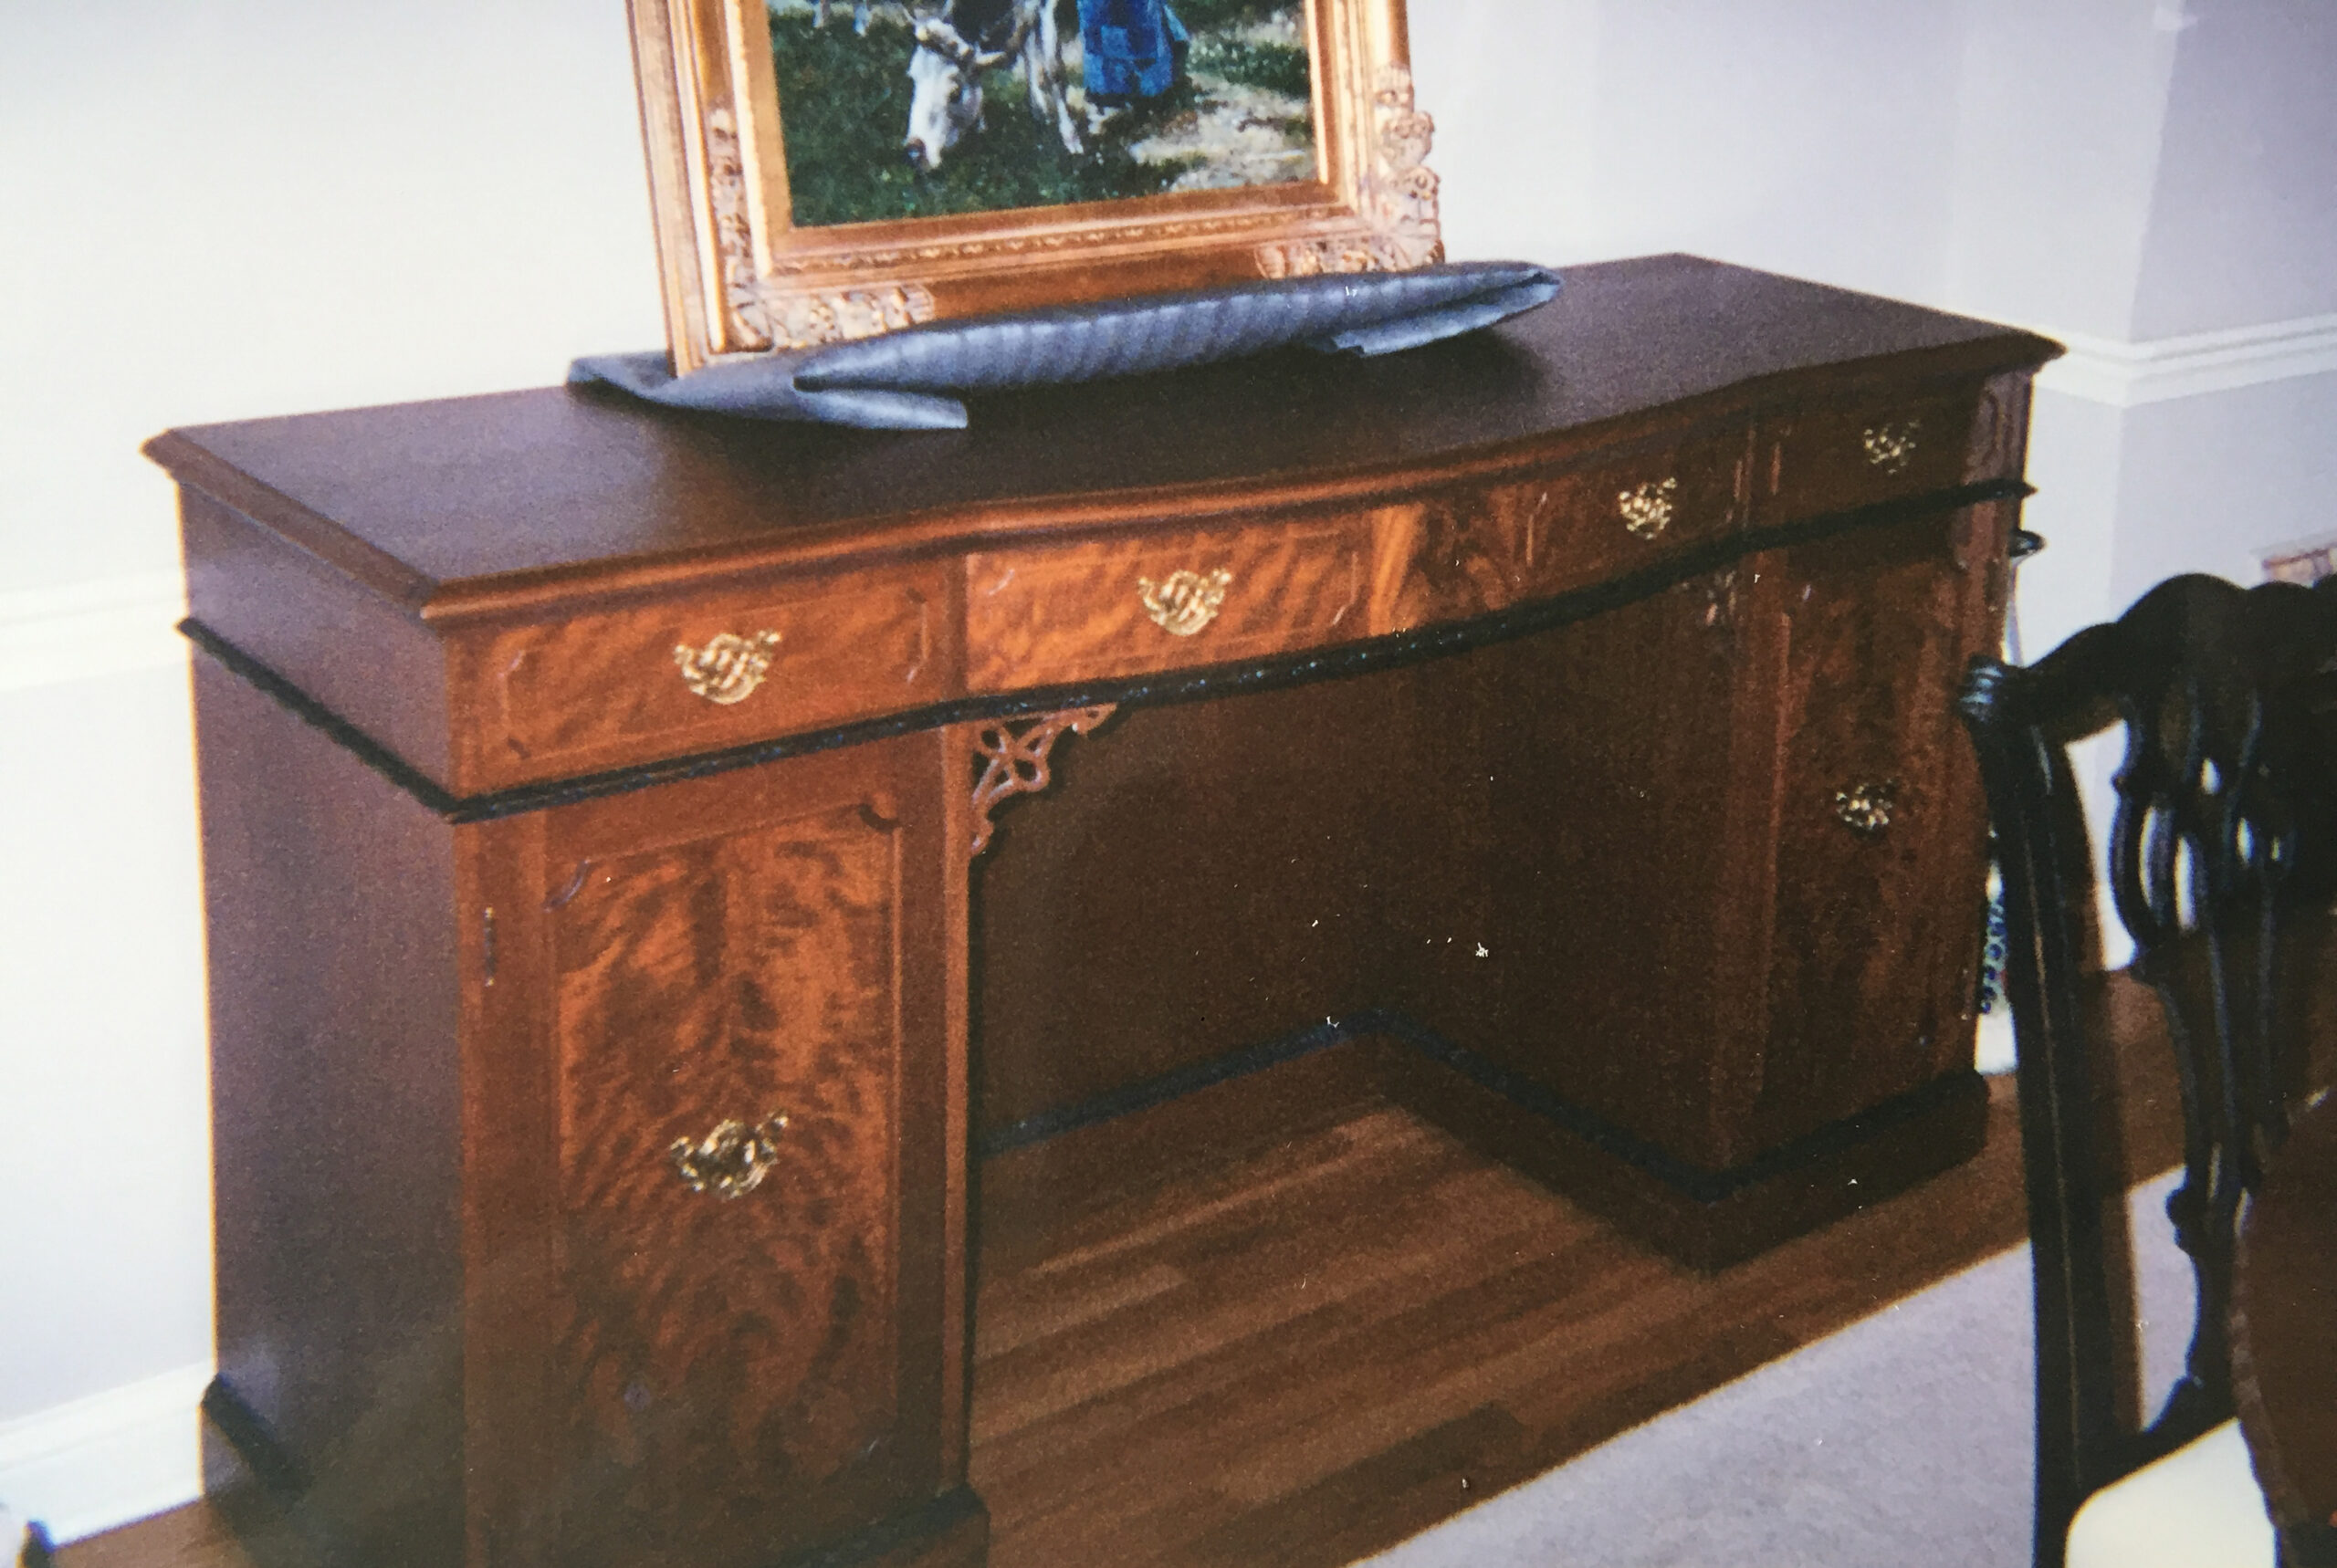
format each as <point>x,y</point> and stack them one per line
<point>742,275</point>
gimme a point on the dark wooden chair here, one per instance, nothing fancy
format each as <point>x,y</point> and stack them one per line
<point>2222,862</point>
<point>2284,1334</point>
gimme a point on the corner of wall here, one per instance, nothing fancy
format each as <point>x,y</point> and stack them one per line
<point>108,1460</point>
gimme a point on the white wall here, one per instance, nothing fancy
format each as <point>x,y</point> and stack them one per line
<point>226,208</point>
<point>2059,112</point>
<point>1810,137</point>
<point>2243,227</point>
<point>218,209</point>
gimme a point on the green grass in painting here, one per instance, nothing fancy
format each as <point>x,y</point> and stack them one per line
<point>1210,15</point>
<point>844,107</point>
<point>1277,67</point>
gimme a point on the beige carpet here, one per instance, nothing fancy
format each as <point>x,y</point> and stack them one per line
<point>1904,1438</point>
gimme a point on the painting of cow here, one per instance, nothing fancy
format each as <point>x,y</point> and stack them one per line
<point>955,46</point>
<point>913,113</point>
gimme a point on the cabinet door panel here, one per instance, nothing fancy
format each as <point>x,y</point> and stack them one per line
<point>1880,839</point>
<point>742,1371</point>
<point>1607,752</point>
<point>741,1343</point>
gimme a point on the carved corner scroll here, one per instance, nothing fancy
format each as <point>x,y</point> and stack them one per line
<point>1398,193</point>
<point>1017,764</point>
<point>763,313</point>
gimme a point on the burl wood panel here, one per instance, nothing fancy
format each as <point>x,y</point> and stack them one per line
<point>598,691</point>
<point>736,1351</point>
<point>1040,614</point>
<point>337,1127</point>
<point>708,1377</point>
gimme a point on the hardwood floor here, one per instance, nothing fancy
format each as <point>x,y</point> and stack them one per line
<point>1314,1352</point>
<point>1301,1356</point>
<point>1343,1341</point>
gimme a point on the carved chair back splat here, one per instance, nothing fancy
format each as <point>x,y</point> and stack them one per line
<point>2225,834</point>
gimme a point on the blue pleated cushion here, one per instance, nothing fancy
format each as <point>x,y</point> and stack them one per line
<point>904,379</point>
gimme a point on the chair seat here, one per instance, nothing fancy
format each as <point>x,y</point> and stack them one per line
<point>2197,1508</point>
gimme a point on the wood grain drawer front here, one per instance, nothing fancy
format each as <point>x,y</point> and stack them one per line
<point>609,690</point>
<point>1125,607</point>
<point>1854,454</point>
<point>1636,508</point>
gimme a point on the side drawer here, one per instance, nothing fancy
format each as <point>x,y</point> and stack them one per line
<point>1855,453</point>
<point>1040,614</point>
<point>1636,507</point>
<point>701,672</point>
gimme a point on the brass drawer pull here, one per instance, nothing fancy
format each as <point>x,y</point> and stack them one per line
<point>1647,510</point>
<point>732,1160</point>
<point>1865,809</point>
<point>1187,602</point>
<point>729,668</point>
<point>1891,447</point>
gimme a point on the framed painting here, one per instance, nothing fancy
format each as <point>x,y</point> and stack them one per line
<point>824,169</point>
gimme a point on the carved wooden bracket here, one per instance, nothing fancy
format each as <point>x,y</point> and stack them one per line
<point>1017,764</point>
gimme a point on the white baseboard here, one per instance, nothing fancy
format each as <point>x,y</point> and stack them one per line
<point>2124,375</point>
<point>109,1459</point>
<point>107,627</point>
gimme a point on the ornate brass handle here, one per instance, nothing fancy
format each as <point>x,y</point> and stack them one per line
<point>1865,809</point>
<point>1891,447</point>
<point>1186,601</point>
<point>1647,510</point>
<point>732,1160</point>
<point>729,668</point>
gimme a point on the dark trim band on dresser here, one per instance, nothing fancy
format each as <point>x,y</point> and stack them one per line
<point>1183,685</point>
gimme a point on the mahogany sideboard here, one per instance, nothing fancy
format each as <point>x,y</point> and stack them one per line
<point>594,806</point>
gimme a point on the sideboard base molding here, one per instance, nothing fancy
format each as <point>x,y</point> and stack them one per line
<point>950,1532</point>
<point>353,1508</point>
<point>270,1499</point>
<point>1246,1100</point>
<point>1844,1167</point>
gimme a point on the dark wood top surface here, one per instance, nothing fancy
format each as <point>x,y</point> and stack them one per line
<point>464,504</point>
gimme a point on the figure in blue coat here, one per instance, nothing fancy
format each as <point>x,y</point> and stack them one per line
<point>1135,48</point>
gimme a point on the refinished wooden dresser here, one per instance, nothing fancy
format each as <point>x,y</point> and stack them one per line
<point>597,804</point>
